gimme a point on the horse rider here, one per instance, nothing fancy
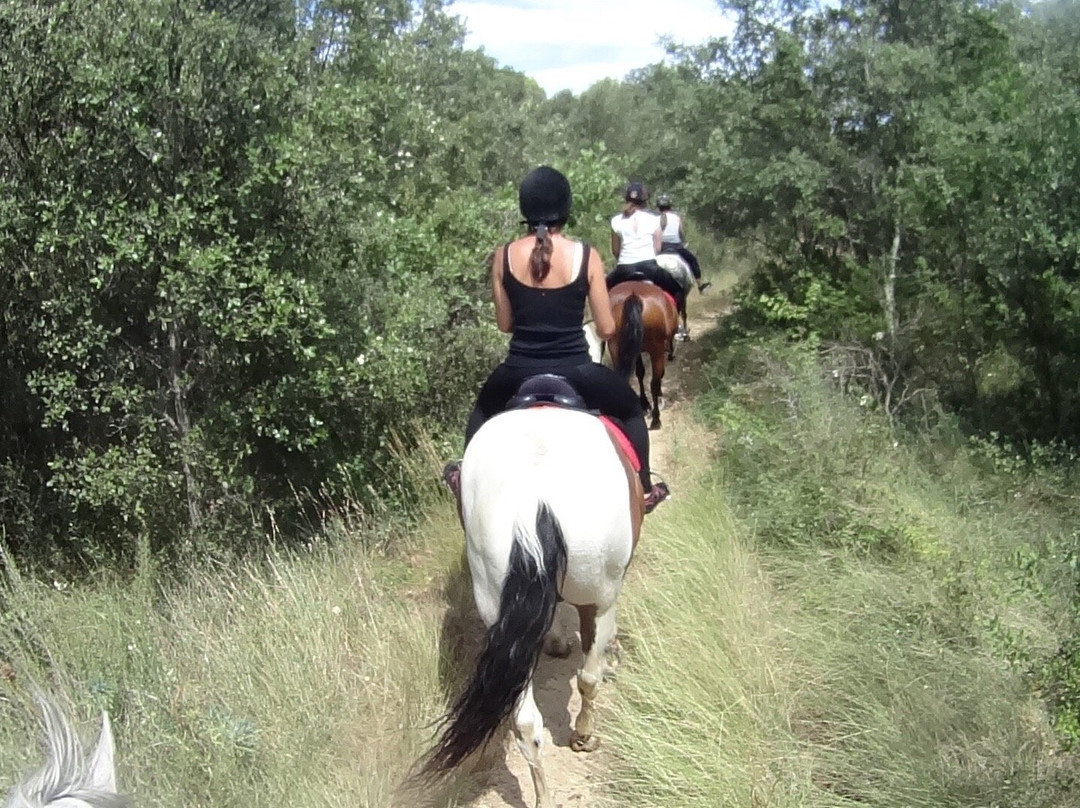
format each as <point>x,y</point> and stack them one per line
<point>540,284</point>
<point>636,237</point>
<point>673,240</point>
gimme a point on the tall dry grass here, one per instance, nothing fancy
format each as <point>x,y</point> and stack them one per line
<point>305,678</point>
<point>824,619</point>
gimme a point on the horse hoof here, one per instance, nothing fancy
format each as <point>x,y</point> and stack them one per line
<point>557,647</point>
<point>581,744</point>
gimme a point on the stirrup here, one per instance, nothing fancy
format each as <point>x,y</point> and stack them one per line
<point>659,493</point>
<point>451,477</point>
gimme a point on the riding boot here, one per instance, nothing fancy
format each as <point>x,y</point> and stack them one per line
<point>657,494</point>
<point>451,477</point>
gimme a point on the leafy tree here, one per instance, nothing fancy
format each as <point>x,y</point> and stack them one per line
<point>906,168</point>
<point>235,268</point>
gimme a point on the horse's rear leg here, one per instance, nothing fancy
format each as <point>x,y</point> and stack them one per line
<point>557,642</point>
<point>597,630</point>
<point>529,731</point>
<point>682,333</point>
<point>641,384</point>
<point>657,395</point>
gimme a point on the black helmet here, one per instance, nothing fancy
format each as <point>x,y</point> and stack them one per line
<point>663,202</point>
<point>544,196</point>
<point>635,192</point>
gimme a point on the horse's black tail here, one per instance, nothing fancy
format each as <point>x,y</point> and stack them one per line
<point>511,650</point>
<point>631,336</point>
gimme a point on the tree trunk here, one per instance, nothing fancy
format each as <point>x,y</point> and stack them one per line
<point>182,424</point>
<point>890,287</point>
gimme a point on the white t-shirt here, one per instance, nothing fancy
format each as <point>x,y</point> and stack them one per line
<point>636,232</point>
<point>671,231</point>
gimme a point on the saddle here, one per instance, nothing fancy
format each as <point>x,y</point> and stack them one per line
<point>548,389</point>
<point>552,390</point>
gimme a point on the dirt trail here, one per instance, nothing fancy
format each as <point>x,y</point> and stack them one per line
<point>574,778</point>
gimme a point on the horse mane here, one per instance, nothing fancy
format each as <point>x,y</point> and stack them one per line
<point>67,778</point>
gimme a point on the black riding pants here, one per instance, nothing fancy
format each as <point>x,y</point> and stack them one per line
<point>649,271</point>
<point>686,255</point>
<point>598,385</point>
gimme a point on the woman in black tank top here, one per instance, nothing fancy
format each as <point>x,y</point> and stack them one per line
<point>540,284</point>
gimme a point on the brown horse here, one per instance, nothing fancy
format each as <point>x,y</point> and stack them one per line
<point>645,322</point>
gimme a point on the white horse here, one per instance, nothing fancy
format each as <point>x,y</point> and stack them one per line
<point>596,345</point>
<point>551,508</point>
<point>67,780</point>
<point>680,270</point>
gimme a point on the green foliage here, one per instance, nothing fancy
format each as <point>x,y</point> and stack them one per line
<point>823,477</point>
<point>808,468</point>
<point>243,253</point>
<point>907,172</point>
<point>597,181</point>
<point>156,270</point>
<point>1047,564</point>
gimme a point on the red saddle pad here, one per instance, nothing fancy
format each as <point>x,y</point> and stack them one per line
<point>623,442</point>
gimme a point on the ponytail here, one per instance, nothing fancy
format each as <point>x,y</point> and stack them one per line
<point>663,220</point>
<point>540,258</point>
<point>629,210</point>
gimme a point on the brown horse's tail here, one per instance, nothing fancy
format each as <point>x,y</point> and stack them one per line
<point>631,336</point>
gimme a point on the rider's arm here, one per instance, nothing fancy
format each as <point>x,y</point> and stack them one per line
<point>599,302</point>
<point>682,235</point>
<point>657,240</point>
<point>616,245</point>
<point>504,315</point>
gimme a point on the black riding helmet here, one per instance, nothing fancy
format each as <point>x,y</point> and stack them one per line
<point>544,197</point>
<point>635,192</point>
<point>663,202</point>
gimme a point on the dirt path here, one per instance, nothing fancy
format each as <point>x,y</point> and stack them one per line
<point>574,778</point>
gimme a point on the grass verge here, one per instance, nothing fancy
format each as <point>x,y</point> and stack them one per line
<point>832,616</point>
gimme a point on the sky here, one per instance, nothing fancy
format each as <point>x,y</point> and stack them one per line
<point>570,44</point>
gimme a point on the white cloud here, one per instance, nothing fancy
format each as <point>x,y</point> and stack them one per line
<point>570,44</point>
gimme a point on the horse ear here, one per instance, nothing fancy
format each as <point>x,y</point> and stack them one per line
<point>102,771</point>
<point>60,741</point>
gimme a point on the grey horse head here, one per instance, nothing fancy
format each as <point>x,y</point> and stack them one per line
<point>67,779</point>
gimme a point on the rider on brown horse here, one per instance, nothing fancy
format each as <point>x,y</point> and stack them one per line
<point>541,282</point>
<point>636,238</point>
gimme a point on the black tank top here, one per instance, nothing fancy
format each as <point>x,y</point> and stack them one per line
<point>548,322</point>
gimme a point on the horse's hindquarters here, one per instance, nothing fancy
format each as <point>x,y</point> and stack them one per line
<point>546,504</point>
<point>566,459</point>
<point>678,268</point>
